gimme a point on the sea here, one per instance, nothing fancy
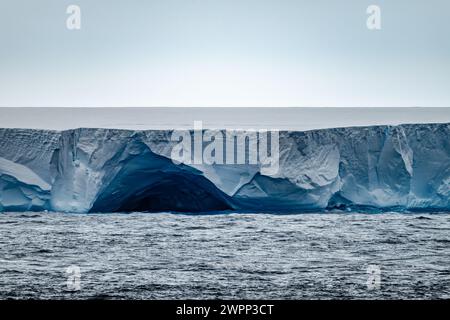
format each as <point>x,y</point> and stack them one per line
<point>224,256</point>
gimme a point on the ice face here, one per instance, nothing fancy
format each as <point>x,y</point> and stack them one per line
<point>404,167</point>
<point>21,189</point>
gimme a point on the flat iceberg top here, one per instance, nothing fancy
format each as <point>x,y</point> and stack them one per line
<point>298,119</point>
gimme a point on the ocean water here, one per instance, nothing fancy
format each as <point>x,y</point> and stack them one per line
<point>232,256</point>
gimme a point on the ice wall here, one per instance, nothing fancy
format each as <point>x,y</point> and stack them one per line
<point>404,167</point>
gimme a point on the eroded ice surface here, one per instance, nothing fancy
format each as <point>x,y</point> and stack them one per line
<point>21,188</point>
<point>404,167</point>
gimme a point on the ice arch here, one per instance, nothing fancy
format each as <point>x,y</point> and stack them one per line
<point>152,183</point>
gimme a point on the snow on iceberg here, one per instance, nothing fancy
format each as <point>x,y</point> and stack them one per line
<point>404,167</point>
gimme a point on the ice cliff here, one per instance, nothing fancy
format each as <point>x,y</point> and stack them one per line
<point>401,168</point>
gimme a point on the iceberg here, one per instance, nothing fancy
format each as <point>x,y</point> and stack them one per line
<point>21,189</point>
<point>87,170</point>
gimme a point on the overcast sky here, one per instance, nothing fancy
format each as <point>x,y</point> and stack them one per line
<point>225,53</point>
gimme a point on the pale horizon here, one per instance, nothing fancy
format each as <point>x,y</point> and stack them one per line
<point>217,118</point>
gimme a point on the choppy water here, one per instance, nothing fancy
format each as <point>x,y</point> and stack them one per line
<point>156,256</point>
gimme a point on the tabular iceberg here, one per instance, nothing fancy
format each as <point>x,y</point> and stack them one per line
<point>402,168</point>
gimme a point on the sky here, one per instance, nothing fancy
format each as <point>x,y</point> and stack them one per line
<point>224,53</point>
